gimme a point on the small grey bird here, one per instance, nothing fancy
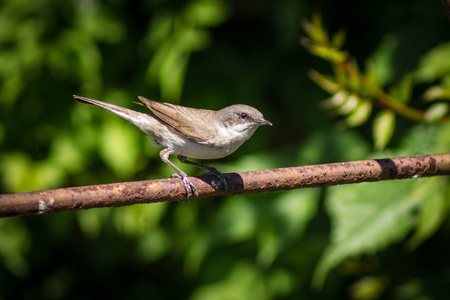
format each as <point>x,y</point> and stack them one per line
<point>191,132</point>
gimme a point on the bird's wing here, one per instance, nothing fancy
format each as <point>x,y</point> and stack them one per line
<point>188,122</point>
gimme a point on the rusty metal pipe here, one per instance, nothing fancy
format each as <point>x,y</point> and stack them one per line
<point>151,191</point>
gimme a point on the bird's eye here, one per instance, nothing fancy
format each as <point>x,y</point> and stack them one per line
<point>243,115</point>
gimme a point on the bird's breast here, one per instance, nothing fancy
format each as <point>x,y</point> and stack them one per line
<point>209,150</point>
<point>224,143</point>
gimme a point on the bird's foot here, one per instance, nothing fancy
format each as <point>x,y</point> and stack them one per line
<point>190,188</point>
<point>220,176</point>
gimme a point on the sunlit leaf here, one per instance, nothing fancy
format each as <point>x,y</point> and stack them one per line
<point>368,287</point>
<point>328,53</point>
<point>336,101</point>
<point>21,174</point>
<point>383,128</point>
<point>442,142</point>
<point>138,220</point>
<point>207,12</point>
<point>434,64</point>
<point>315,30</point>
<point>437,93</point>
<point>436,111</point>
<point>119,146</point>
<point>360,114</point>
<point>327,83</point>
<point>350,104</point>
<point>428,138</point>
<point>66,154</point>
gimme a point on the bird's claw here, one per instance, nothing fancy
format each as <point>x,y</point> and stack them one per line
<point>190,188</point>
<point>220,176</point>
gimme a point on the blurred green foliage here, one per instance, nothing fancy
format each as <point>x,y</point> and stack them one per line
<point>387,79</point>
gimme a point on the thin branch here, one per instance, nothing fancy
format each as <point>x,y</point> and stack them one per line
<point>151,191</point>
<point>383,97</point>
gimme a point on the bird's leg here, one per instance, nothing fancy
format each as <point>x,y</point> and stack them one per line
<point>164,154</point>
<point>212,170</point>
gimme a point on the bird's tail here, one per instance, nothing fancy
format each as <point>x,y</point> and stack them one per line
<point>142,120</point>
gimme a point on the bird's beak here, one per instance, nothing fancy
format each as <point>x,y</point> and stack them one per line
<point>264,122</point>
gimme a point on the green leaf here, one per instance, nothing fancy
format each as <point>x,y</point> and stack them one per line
<point>427,138</point>
<point>346,145</point>
<point>315,30</point>
<point>327,83</point>
<point>291,213</point>
<point>207,13</point>
<point>433,211</point>
<point>383,128</point>
<point>360,114</point>
<point>92,221</point>
<point>336,101</point>
<point>436,111</point>
<point>365,218</point>
<point>24,174</point>
<point>435,64</point>
<point>174,36</point>
<point>119,146</point>
<point>138,220</point>
<point>15,240</point>
<point>379,67</point>
<point>369,287</point>
<point>350,104</point>
<point>437,92</point>
<point>402,91</point>
<point>237,220</point>
<point>245,281</point>
<point>66,153</point>
<point>328,53</point>
<point>338,39</point>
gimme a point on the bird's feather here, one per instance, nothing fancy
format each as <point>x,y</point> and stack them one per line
<point>184,120</point>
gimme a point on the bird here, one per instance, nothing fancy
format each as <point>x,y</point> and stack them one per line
<point>191,132</point>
